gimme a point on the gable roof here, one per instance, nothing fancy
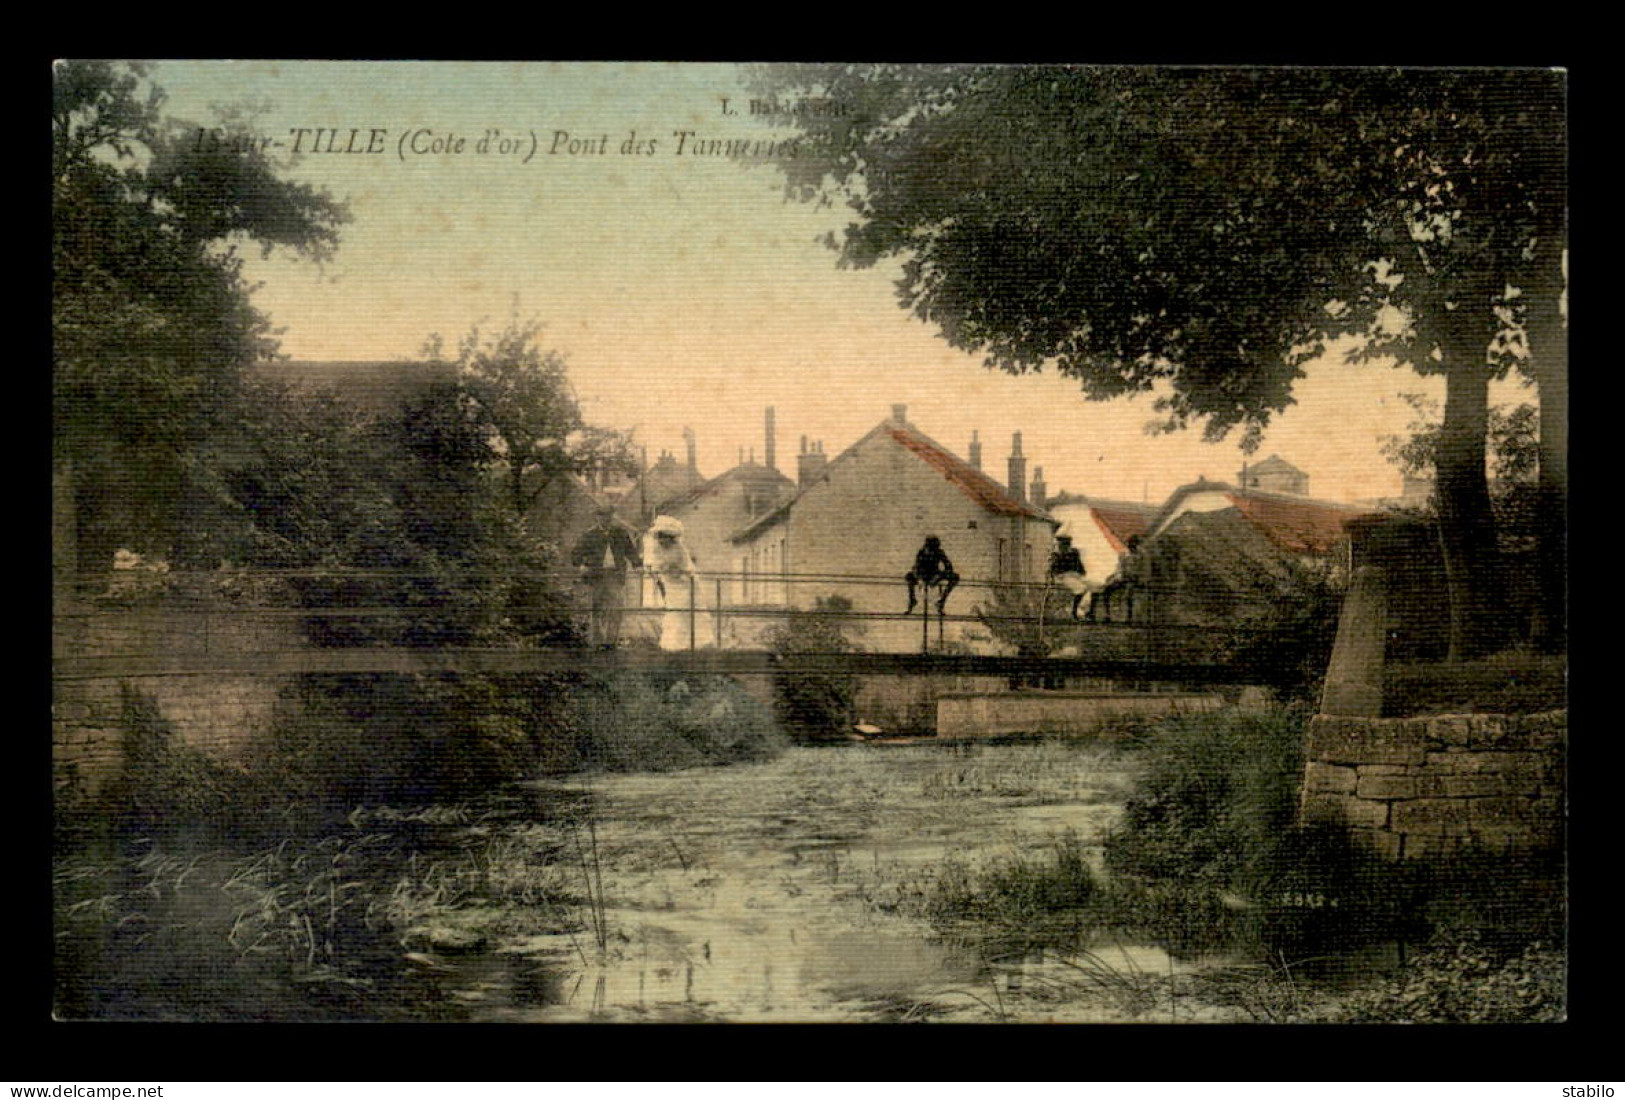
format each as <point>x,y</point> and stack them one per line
<point>1298,525</point>
<point>1120,521</point>
<point>749,473</point>
<point>1218,553</point>
<point>976,485</point>
<point>962,475</point>
<point>1274,464</point>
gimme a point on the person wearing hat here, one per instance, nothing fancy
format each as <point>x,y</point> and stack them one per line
<point>1066,570</point>
<point>602,556</point>
<point>931,568</point>
<point>668,560</point>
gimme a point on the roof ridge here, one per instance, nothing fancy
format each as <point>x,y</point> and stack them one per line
<point>889,426</point>
<point>963,469</point>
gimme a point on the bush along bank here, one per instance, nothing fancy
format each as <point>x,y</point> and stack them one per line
<point>1209,858</point>
<point>328,877</point>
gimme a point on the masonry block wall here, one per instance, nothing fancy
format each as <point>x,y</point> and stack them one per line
<point>220,714</point>
<point>1423,787</point>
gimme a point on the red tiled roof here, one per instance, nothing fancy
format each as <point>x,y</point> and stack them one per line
<point>965,477</point>
<point>1121,522</point>
<point>1298,526</point>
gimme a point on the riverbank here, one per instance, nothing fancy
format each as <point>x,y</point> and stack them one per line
<point>783,891</point>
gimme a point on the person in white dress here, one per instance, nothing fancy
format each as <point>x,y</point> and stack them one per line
<point>669,563</point>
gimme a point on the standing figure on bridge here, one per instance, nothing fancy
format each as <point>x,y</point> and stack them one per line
<point>602,556</point>
<point>1066,570</point>
<point>668,560</point>
<point>932,569</point>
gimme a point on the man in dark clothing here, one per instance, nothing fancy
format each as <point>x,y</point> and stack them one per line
<point>1066,570</point>
<point>931,567</point>
<point>603,555</point>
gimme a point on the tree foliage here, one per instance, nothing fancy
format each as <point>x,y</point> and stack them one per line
<point>519,396</point>
<point>1200,234</point>
<point>815,705</point>
<point>1513,441</point>
<point>152,323</point>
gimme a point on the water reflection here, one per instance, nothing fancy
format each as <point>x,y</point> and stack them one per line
<point>743,894</point>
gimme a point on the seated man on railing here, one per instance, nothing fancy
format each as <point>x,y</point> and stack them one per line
<point>931,569</point>
<point>1066,569</point>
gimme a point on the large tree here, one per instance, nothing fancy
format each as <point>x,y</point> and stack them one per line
<point>1201,234</point>
<point>519,395</point>
<point>152,324</point>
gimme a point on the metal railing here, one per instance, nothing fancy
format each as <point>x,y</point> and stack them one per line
<point>729,598</point>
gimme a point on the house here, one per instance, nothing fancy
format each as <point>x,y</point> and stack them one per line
<point>1295,524</point>
<point>1205,568</point>
<point>1214,552</point>
<point>712,512</point>
<point>660,482</point>
<point>1274,475</point>
<point>1100,528</point>
<point>855,522</point>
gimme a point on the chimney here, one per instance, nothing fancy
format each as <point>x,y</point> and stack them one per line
<point>975,450</point>
<point>899,413</point>
<point>810,463</point>
<point>1018,469</point>
<point>768,455</point>
<point>1040,491</point>
<point>693,459</point>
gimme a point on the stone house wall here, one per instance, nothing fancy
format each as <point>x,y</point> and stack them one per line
<point>869,514</point>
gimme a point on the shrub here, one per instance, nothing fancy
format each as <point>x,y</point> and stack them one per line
<point>813,706</point>
<point>1049,897</point>
<point>1208,853</point>
<point>1215,794</point>
<point>343,741</point>
<point>1287,644</point>
<point>164,784</point>
<point>663,721</point>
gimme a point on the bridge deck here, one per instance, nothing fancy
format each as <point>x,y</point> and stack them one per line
<point>729,662</point>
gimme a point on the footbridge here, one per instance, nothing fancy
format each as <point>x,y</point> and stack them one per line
<point>295,622</point>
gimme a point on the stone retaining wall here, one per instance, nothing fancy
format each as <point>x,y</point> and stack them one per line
<point>220,714</point>
<point>1429,786</point>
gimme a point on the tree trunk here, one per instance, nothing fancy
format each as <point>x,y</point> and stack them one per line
<point>1549,354</point>
<point>1466,522</point>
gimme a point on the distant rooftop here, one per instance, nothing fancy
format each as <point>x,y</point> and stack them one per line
<point>962,475</point>
<point>1298,525</point>
<point>1119,520</point>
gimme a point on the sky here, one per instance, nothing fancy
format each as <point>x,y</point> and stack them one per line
<point>682,288</point>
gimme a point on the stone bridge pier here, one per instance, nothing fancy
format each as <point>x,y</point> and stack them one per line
<point>1408,761</point>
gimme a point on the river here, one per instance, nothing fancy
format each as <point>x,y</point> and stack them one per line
<point>780,892</point>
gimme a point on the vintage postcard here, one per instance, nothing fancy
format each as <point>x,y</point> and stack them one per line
<point>678,542</point>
